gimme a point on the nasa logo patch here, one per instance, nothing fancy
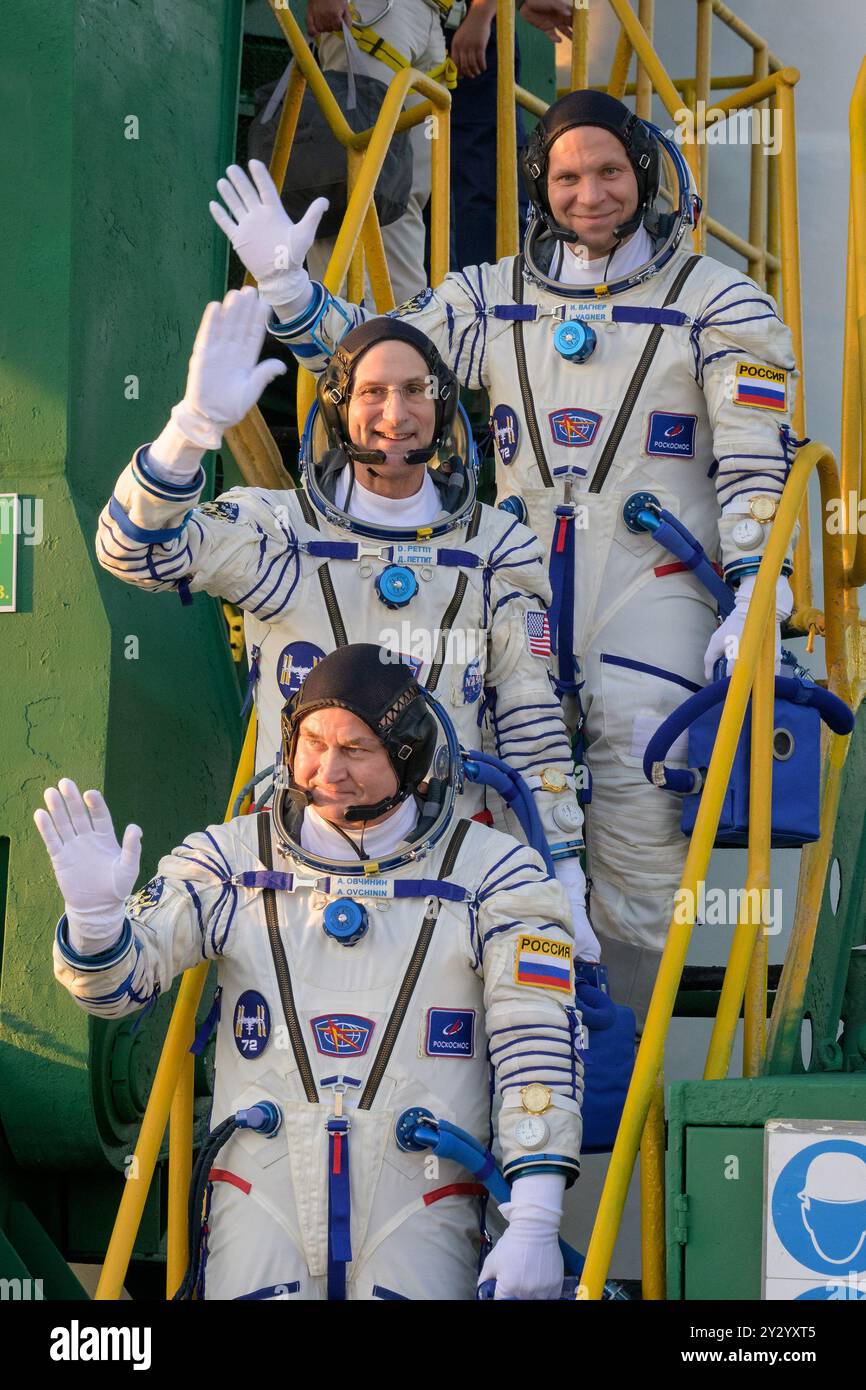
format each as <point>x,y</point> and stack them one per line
<point>450,1033</point>
<point>251,1024</point>
<point>149,895</point>
<point>506,431</point>
<point>295,663</point>
<point>574,428</point>
<point>671,436</point>
<point>223,511</point>
<point>472,682</point>
<point>342,1035</point>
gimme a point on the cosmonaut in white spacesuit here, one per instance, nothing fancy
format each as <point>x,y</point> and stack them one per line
<point>371,946</point>
<point>616,361</point>
<point>377,546</point>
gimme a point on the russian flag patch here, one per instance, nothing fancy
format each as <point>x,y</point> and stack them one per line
<point>755,385</point>
<point>543,961</point>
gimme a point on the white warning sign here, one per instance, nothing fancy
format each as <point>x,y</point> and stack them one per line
<point>814,1210</point>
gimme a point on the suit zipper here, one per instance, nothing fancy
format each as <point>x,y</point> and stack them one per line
<point>410,979</point>
<point>523,379</point>
<point>281,965</point>
<point>614,439</point>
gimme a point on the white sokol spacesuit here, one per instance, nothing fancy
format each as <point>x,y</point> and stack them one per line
<point>461,945</point>
<point>456,588</point>
<point>686,395</point>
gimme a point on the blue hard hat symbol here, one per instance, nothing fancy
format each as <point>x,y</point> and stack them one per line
<point>346,921</point>
<point>819,1207</point>
<point>396,586</point>
<point>574,340</point>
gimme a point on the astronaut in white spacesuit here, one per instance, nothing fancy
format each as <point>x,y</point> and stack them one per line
<point>375,547</point>
<point>351,991</point>
<point>616,362</point>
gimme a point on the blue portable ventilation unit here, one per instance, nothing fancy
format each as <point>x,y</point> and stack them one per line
<point>798,709</point>
<point>800,706</point>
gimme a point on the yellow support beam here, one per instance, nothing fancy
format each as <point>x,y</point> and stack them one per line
<point>173,1059</point>
<point>580,49</point>
<point>652,1198</point>
<point>748,933</point>
<point>506,137</point>
<point>855,346</point>
<point>651,1051</point>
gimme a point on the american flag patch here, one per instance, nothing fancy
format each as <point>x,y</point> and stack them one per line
<point>538,632</point>
<point>543,961</point>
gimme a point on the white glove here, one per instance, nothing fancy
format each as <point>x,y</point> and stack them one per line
<point>94,873</point>
<point>224,382</point>
<point>725,641</point>
<point>270,244</point>
<point>526,1261</point>
<point>570,874</point>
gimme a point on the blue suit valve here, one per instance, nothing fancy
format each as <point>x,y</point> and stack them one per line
<point>396,586</point>
<point>265,1118</point>
<point>407,1123</point>
<point>574,340</point>
<point>346,921</point>
<point>515,506</point>
<point>640,512</point>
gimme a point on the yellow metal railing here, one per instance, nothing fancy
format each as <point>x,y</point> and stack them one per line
<point>171,1093</point>
<point>753,673</point>
<point>359,240</point>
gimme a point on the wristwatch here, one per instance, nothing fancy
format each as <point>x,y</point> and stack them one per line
<point>535,1098</point>
<point>763,508</point>
<point>552,780</point>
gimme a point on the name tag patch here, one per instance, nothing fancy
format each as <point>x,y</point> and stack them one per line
<point>543,961</point>
<point>574,428</point>
<point>671,436</point>
<point>760,386</point>
<point>450,1033</point>
<point>251,1024</point>
<point>354,886</point>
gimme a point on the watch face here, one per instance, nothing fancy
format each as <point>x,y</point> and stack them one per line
<point>552,780</point>
<point>762,508</point>
<point>531,1131</point>
<point>535,1098</point>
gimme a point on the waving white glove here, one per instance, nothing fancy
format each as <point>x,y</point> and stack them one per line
<point>570,874</point>
<point>270,244</point>
<point>94,874</point>
<point>224,382</point>
<point>526,1261</point>
<point>725,641</point>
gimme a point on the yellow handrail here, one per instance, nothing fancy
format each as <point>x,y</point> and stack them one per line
<point>855,350</point>
<point>175,1052</point>
<point>651,1051</point>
